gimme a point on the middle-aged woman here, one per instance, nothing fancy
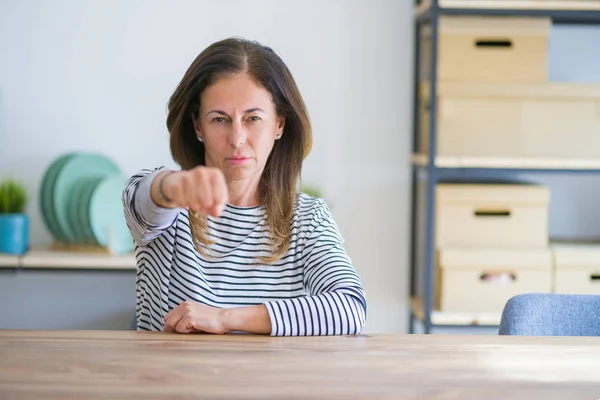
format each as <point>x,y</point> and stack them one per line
<point>227,244</point>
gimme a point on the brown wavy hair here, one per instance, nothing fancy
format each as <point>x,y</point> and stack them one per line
<point>277,186</point>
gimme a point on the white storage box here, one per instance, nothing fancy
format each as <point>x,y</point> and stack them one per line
<point>491,215</point>
<point>491,49</point>
<point>552,120</point>
<point>482,280</point>
<point>576,268</point>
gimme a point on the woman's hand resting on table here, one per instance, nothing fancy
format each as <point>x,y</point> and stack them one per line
<point>201,189</point>
<point>190,317</point>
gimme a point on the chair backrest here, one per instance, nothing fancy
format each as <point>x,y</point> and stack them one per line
<point>551,315</point>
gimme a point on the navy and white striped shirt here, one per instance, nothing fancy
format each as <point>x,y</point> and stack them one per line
<point>312,290</point>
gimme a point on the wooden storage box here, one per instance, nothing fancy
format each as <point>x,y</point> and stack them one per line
<point>491,215</point>
<point>491,49</point>
<point>482,280</point>
<point>552,120</point>
<point>576,268</point>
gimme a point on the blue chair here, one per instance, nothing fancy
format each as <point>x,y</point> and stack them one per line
<point>551,315</point>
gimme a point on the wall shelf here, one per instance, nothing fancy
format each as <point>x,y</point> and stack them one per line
<point>522,5</point>
<point>9,261</point>
<point>561,11</point>
<point>506,163</point>
<point>52,259</point>
<point>429,168</point>
<point>454,319</point>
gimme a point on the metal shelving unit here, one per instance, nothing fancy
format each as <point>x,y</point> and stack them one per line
<point>428,170</point>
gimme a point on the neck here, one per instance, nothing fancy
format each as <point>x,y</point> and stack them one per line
<point>244,193</point>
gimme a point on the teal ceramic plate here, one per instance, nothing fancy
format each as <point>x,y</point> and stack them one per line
<point>84,210</point>
<point>73,208</point>
<point>78,210</point>
<point>78,167</point>
<point>107,218</point>
<point>46,200</point>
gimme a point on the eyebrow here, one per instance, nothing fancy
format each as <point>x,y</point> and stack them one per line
<point>248,111</point>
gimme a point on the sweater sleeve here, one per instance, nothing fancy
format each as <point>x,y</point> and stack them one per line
<point>335,303</point>
<point>145,219</point>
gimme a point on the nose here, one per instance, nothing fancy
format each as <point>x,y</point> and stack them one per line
<point>237,136</point>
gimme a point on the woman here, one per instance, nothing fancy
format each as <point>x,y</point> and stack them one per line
<point>226,244</point>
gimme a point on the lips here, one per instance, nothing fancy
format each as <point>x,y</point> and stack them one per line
<point>238,160</point>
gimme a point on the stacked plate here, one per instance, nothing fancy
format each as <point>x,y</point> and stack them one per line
<point>80,200</point>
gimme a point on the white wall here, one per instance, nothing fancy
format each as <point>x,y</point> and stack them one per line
<point>96,76</point>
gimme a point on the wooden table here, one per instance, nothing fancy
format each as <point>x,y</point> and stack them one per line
<point>140,365</point>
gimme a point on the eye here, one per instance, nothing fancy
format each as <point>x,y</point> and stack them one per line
<point>218,120</point>
<point>254,118</point>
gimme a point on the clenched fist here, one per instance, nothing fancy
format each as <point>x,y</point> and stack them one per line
<point>190,316</point>
<point>202,189</point>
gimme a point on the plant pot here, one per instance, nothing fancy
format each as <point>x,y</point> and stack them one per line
<point>14,233</point>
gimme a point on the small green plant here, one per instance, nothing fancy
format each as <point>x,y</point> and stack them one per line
<point>310,190</point>
<point>13,197</point>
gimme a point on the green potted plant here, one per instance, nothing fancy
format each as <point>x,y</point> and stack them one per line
<point>310,189</point>
<point>14,224</point>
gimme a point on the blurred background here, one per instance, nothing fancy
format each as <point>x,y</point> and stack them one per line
<point>86,83</point>
<point>95,77</point>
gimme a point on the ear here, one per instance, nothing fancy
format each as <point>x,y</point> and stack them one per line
<point>197,128</point>
<point>280,126</point>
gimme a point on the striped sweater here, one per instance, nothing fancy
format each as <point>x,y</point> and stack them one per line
<point>312,290</point>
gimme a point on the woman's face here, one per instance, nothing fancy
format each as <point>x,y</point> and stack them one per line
<point>238,126</point>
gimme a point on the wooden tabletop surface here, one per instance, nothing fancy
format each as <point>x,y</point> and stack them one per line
<point>143,365</point>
